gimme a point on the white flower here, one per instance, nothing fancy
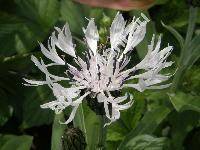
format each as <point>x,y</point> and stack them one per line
<point>102,71</point>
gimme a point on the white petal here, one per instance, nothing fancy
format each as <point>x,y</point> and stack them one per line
<point>64,41</point>
<point>117,31</point>
<point>75,72</point>
<point>160,86</point>
<point>135,37</point>
<point>132,26</point>
<point>43,68</point>
<point>68,93</point>
<point>34,82</point>
<point>72,115</point>
<point>80,99</point>
<point>92,36</point>
<point>106,109</point>
<point>121,99</point>
<point>57,106</point>
<point>51,53</point>
<point>125,106</point>
<point>101,97</point>
<point>140,86</point>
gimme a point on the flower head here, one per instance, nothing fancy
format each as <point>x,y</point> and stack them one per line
<point>103,71</point>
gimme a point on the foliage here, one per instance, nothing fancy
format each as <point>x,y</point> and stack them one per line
<point>162,119</point>
<point>8,142</point>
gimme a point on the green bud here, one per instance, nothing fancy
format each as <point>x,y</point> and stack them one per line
<point>103,35</point>
<point>73,139</point>
<point>105,21</point>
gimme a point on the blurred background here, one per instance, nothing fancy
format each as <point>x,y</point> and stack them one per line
<point>160,119</point>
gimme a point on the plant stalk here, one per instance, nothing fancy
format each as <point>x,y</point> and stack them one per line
<point>101,132</point>
<point>185,52</point>
<point>57,132</point>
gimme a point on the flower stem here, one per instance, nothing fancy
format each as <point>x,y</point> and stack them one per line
<point>191,25</point>
<point>185,52</point>
<point>79,121</point>
<point>57,132</point>
<point>101,132</point>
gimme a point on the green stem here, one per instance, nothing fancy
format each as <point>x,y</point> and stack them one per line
<point>57,132</point>
<point>101,133</point>
<point>185,51</point>
<point>191,25</point>
<point>79,121</point>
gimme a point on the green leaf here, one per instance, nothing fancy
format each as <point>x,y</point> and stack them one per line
<point>117,130</point>
<point>190,54</point>
<point>33,115</point>
<point>43,13</point>
<point>57,132</point>
<point>114,136</point>
<point>182,101</point>
<point>74,14</point>
<point>13,142</point>
<point>178,9</point>
<point>175,33</point>
<point>31,21</point>
<point>77,15</point>
<point>6,112</point>
<point>9,37</point>
<point>194,49</point>
<point>20,64</point>
<point>192,81</point>
<point>180,125</point>
<point>191,24</point>
<point>146,142</point>
<point>148,124</point>
<point>129,119</point>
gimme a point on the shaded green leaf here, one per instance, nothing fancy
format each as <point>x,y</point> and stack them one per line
<point>12,142</point>
<point>74,14</point>
<point>148,124</point>
<point>180,125</point>
<point>129,119</point>
<point>6,112</point>
<point>146,142</point>
<point>33,115</point>
<point>182,101</point>
<point>114,136</point>
<point>172,8</point>
<point>175,33</point>
<point>31,21</point>
<point>42,13</point>
<point>194,49</point>
<point>192,81</point>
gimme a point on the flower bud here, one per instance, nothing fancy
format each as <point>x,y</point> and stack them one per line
<point>73,139</point>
